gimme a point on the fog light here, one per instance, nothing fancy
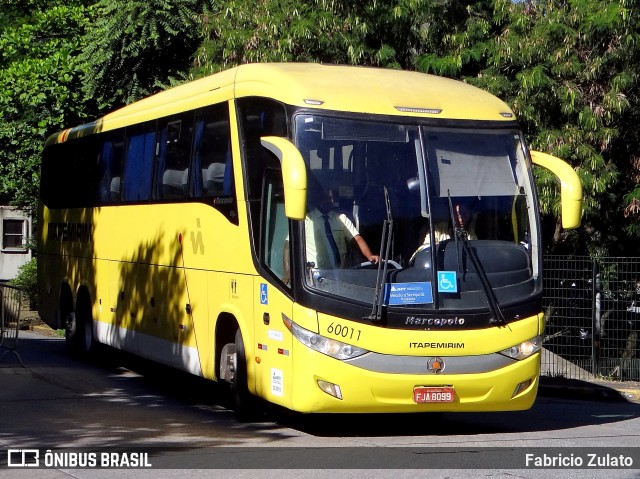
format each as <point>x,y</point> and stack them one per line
<point>521,387</point>
<point>330,388</point>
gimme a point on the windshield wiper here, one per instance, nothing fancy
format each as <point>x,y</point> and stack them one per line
<point>385,248</point>
<point>461,234</point>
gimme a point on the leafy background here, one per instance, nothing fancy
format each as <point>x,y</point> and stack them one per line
<point>569,69</point>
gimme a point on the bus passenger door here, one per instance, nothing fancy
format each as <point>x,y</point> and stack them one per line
<point>273,344</point>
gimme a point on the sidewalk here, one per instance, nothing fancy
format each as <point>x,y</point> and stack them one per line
<point>594,389</point>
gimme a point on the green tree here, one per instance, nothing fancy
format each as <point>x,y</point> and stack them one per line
<point>243,31</point>
<point>376,33</point>
<point>136,47</point>
<point>569,70</point>
<point>39,92</point>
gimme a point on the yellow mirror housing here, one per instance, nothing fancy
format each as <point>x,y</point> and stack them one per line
<point>294,175</point>
<point>570,187</point>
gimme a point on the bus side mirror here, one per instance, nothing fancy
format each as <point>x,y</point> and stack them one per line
<point>570,187</point>
<point>294,175</point>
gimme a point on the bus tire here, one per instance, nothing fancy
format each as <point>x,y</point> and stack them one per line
<point>79,327</point>
<point>85,323</point>
<point>70,328</point>
<point>244,402</point>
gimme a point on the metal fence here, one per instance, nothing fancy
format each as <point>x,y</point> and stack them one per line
<point>592,308</point>
<point>10,307</point>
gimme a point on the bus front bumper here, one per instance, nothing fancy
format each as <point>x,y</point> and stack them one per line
<point>346,388</point>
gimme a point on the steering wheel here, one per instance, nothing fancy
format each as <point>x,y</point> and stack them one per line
<point>369,264</point>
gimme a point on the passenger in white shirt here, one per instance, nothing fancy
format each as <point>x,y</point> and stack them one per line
<point>324,249</point>
<point>442,231</point>
<point>463,218</point>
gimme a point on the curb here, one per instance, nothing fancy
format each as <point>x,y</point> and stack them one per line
<point>589,391</point>
<point>43,330</point>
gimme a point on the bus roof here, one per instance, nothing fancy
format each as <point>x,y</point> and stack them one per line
<point>328,87</point>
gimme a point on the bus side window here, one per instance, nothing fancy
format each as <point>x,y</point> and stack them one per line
<point>70,174</point>
<point>275,224</point>
<point>259,117</point>
<point>138,163</point>
<point>175,136</point>
<point>212,169</point>
<point>110,169</point>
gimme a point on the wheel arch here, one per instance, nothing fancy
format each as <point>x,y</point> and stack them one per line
<point>66,303</point>
<point>225,332</point>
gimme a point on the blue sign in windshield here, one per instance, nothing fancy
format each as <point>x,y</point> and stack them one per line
<point>447,282</point>
<point>408,293</point>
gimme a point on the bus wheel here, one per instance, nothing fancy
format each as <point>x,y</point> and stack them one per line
<point>85,324</point>
<point>244,401</point>
<point>70,328</point>
<point>79,327</point>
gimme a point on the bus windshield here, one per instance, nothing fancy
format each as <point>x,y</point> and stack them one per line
<point>439,191</point>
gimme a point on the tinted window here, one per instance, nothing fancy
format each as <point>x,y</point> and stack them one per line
<point>139,163</point>
<point>212,168</point>
<point>68,175</point>
<point>259,117</point>
<point>110,168</point>
<point>275,233</point>
<point>175,136</point>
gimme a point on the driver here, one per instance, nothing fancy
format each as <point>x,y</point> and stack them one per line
<point>328,233</point>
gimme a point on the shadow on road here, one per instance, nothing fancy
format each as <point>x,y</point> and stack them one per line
<point>123,398</point>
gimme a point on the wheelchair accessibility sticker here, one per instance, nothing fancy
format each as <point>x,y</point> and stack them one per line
<point>264,296</point>
<point>447,282</point>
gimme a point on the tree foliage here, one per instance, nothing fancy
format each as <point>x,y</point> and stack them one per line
<point>39,92</point>
<point>569,69</point>
<point>135,47</point>
<point>385,33</point>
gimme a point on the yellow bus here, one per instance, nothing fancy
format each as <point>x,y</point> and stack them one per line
<point>181,228</point>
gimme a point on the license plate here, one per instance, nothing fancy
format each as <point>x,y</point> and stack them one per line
<point>433,394</point>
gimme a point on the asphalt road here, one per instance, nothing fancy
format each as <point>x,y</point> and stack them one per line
<point>125,407</point>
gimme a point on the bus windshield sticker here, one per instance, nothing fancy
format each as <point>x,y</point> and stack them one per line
<point>408,293</point>
<point>447,282</point>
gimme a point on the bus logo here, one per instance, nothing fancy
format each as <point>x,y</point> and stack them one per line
<point>435,365</point>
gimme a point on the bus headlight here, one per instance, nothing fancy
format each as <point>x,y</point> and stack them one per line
<point>322,344</point>
<point>525,349</point>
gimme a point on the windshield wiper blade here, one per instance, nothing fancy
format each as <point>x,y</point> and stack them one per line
<point>494,305</point>
<point>461,234</point>
<point>385,249</point>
